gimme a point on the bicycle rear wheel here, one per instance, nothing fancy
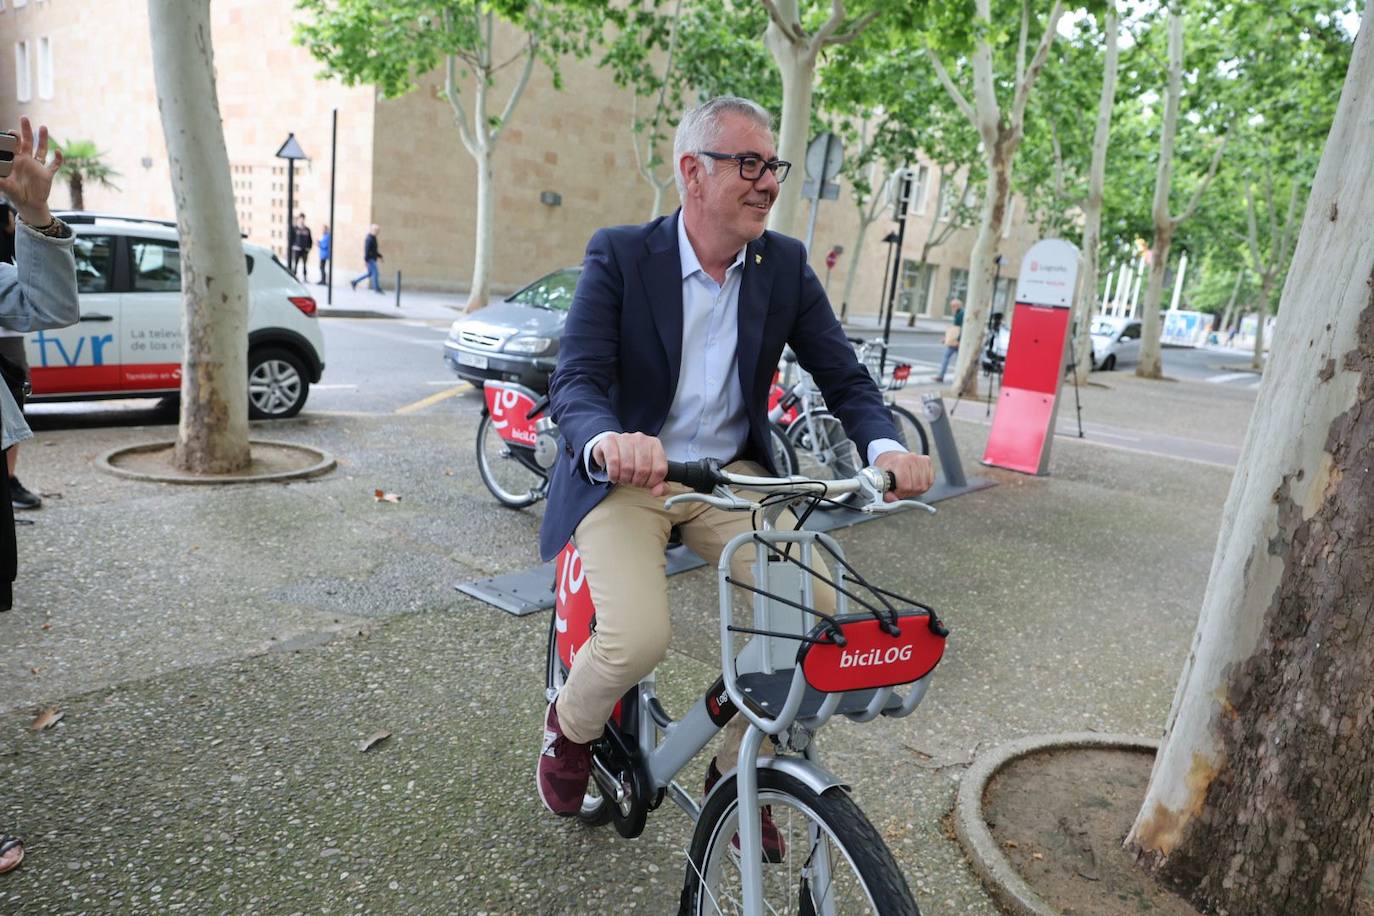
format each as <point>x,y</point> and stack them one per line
<point>909,430</point>
<point>824,452</point>
<point>508,478</point>
<point>834,862</point>
<point>784,456</point>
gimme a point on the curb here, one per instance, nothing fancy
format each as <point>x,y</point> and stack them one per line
<point>329,312</point>
<point>1008,888</point>
<point>324,463</point>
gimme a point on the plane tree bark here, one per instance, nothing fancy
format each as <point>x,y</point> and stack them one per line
<point>1259,801</point>
<point>212,432</point>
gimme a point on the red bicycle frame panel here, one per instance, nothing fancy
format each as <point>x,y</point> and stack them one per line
<point>509,405</point>
<point>871,656</point>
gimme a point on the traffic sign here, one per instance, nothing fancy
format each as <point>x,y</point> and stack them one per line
<point>824,156</point>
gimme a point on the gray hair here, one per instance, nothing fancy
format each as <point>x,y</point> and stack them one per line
<point>699,129</point>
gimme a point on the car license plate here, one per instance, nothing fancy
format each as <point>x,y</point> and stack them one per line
<point>473,360</point>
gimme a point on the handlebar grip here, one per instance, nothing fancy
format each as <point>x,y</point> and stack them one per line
<point>889,481</point>
<point>701,476</point>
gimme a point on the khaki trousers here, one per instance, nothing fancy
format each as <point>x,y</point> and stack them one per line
<point>621,542</point>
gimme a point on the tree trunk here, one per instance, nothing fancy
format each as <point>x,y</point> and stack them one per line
<point>1259,802</point>
<point>74,184</point>
<point>1266,290</point>
<point>1151,362</point>
<point>481,259</point>
<point>657,207</point>
<point>212,436</point>
<point>1092,203</point>
<point>982,265</point>
<point>797,66</point>
<point>1151,357</point>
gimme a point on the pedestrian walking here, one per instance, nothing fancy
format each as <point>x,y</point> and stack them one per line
<point>326,244</point>
<point>371,255</point>
<point>952,335</point>
<point>301,243</point>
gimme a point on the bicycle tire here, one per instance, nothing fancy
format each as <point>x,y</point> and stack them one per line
<point>843,824</point>
<point>784,455</point>
<point>490,448</point>
<point>909,429</point>
<point>596,810</point>
<point>833,456</point>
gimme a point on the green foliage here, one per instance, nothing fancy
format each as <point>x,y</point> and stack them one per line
<point>84,160</point>
<point>716,49</point>
<point>390,44</point>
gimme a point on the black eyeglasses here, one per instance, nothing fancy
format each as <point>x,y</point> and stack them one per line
<point>751,168</point>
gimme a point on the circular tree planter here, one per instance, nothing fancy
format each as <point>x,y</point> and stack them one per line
<point>1000,877</point>
<point>271,461</point>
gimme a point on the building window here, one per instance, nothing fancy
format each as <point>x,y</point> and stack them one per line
<point>23,89</point>
<point>44,68</point>
<point>1002,297</point>
<point>958,288</point>
<point>921,189</point>
<point>914,294</point>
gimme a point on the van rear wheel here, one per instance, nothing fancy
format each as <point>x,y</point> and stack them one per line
<point>277,384</point>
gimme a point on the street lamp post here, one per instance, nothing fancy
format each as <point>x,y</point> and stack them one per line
<point>291,151</point>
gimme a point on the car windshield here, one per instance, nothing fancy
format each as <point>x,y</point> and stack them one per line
<point>554,292</point>
<point>1104,328</point>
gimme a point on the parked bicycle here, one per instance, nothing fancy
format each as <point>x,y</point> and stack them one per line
<point>517,445</point>
<point>798,669</point>
<point>818,439</point>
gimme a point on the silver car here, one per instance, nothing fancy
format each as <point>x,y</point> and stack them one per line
<point>515,340</point>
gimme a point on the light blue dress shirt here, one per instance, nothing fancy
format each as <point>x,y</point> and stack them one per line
<point>707,418</point>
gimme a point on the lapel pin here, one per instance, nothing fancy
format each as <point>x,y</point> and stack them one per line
<point>758,259</point>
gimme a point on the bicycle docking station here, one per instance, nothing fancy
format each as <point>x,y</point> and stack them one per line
<point>1032,374</point>
<point>531,590</point>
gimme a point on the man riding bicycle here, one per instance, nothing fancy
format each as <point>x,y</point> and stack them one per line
<point>669,348</point>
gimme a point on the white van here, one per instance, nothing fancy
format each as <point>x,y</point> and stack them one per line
<point>127,343</point>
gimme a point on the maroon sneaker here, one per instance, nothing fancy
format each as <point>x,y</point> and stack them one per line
<point>774,847</point>
<point>564,768</point>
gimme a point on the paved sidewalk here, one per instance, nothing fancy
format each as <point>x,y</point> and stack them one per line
<point>220,654</point>
<point>362,302</point>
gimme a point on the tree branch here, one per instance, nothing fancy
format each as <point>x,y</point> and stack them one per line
<point>959,101</point>
<point>1289,222</point>
<point>1021,43</point>
<point>1042,52</point>
<point>792,30</point>
<point>853,33</point>
<point>532,51</point>
<point>455,100</point>
<point>1252,239</point>
<point>1206,180</point>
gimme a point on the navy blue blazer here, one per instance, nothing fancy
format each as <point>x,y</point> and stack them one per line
<point>622,348</point>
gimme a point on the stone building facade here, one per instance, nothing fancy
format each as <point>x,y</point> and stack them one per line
<point>84,68</point>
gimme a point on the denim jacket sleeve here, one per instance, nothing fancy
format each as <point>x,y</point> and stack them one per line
<point>37,292</point>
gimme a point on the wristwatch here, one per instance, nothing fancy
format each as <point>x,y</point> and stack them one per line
<point>53,230</point>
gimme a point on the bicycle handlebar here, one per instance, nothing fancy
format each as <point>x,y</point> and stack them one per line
<point>702,476</point>
<point>705,475</point>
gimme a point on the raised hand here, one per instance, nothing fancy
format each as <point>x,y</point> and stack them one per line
<point>30,179</point>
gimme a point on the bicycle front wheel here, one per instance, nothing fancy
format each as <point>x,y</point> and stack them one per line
<point>834,862</point>
<point>910,431</point>
<point>508,478</point>
<point>824,452</point>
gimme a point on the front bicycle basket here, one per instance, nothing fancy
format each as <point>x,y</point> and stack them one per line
<point>863,651</point>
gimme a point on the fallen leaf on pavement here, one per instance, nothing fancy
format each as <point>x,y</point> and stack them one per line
<point>382,496</point>
<point>448,472</point>
<point>1037,855</point>
<point>47,719</point>
<point>372,742</point>
<point>47,626</point>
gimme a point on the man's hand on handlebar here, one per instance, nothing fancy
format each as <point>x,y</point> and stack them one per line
<point>914,474</point>
<point>633,459</point>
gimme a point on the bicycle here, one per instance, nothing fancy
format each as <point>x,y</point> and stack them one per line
<point>873,355</point>
<point>517,445</point>
<point>790,678</point>
<point>822,447</point>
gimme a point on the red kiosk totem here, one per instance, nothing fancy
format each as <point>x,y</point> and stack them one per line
<point>1023,426</point>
